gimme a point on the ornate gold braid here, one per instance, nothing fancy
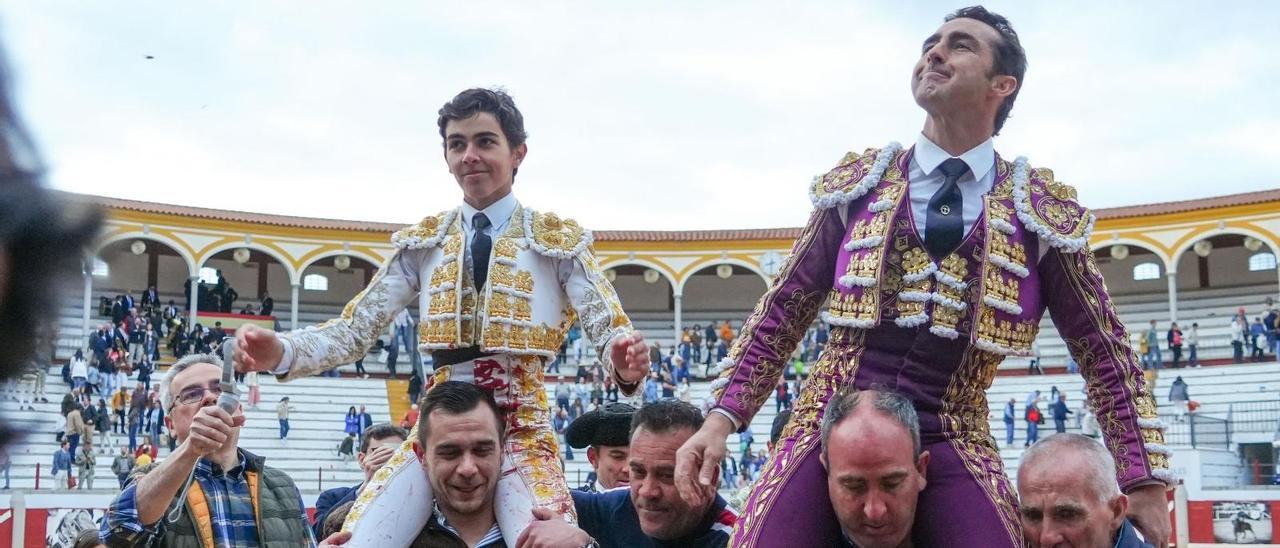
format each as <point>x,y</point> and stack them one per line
<point>970,435</point>
<point>835,369</point>
<point>1118,353</point>
<point>765,374</point>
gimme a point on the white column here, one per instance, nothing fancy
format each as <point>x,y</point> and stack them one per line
<point>195,302</point>
<point>293,307</point>
<point>1181,515</point>
<point>678,334</point>
<point>88,304</point>
<point>18,503</point>
<point>1172,277</point>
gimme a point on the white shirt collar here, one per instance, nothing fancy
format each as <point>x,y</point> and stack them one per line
<point>498,212</point>
<point>980,159</point>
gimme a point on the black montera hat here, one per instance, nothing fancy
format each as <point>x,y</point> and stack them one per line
<point>609,425</point>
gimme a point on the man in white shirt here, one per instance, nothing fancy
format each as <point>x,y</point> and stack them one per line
<point>934,264</point>
<point>496,281</point>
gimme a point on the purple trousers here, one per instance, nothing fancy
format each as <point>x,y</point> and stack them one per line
<point>969,501</point>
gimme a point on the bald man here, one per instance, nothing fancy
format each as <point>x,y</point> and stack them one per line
<point>875,466</point>
<point>1070,496</point>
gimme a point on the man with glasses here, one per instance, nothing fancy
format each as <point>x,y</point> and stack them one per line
<point>208,491</point>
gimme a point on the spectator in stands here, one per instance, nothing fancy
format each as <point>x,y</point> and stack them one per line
<point>668,386</point>
<point>154,420</point>
<point>267,304</point>
<point>79,370</point>
<point>655,355</point>
<point>61,465</point>
<point>351,423</point>
<point>726,333</point>
<point>255,392</point>
<point>223,475</point>
<point>282,414</point>
<point>696,342</point>
<point>1271,327</point>
<point>603,433</point>
<point>136,336</point>
<point>229,297</point>
<point>1179,396</point>
<point>610,389</point>
<point>86,461</point>
<point>150,298</point>
<point>376,447</point>
<point>1174,339</point>
<point>75,428</point>
<point>1257,332</point>
<point>461,437</point>
<point>248,310</point>
<point>710,338</point>
<point>410,417</point>
<point>1153,346</point>
<point>563,393</point>
<point>366,420</point>
<point>576,410</point>
<point>121,465</point>
<point>147,448</point>
<point>102,421</point>
<point>1060,412</point>
<point>145,368</point>
<point>1192,340</point>
<point>6,464</point>
<point>782,396</point>
<point>1033,417</point>
<point>1009,417</point>
<point>875,467</point>
<point>1069,496</point>
<point>1239,326</point>
<point>684,391</point>
<point>346,447</point>
<point>560,423</point>
<point>651,388</point>
<point>415,387</point>
<point>650,512</point>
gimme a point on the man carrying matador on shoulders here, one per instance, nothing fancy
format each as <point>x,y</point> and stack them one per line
<point>499,284</point>
<point>935,262</point>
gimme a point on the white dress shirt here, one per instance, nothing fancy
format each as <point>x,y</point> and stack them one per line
<point>926,179</point>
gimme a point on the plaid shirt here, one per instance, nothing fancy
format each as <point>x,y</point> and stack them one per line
<point>231,513</point>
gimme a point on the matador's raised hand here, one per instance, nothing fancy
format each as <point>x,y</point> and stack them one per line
<point>630,357</point>
<point>257,349</point>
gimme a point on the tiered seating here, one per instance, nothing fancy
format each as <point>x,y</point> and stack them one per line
<point>71,335</point>
<point>309,454</point>
<point>1211,308</point>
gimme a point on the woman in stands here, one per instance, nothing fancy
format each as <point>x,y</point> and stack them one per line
<point>351,424</point>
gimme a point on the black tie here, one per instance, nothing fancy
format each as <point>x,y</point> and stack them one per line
<point>480,247</point>
<point>944,225</point>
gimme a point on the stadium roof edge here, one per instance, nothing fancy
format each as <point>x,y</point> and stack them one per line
<point>1141,210</point>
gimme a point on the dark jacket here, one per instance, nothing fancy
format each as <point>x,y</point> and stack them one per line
<point>611,519</point>
<point>329,500</point>
<point>1060,410</point>
<point>1127,537</point>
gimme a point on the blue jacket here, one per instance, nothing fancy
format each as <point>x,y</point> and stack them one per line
<point>329,500</point>
<point>352,424</point>
<point>61,461</point>
<point>611,519</point>
<point>1060,411</point>
<point>1127,537</point>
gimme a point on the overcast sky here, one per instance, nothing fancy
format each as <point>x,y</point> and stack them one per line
<point>641,115</point>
